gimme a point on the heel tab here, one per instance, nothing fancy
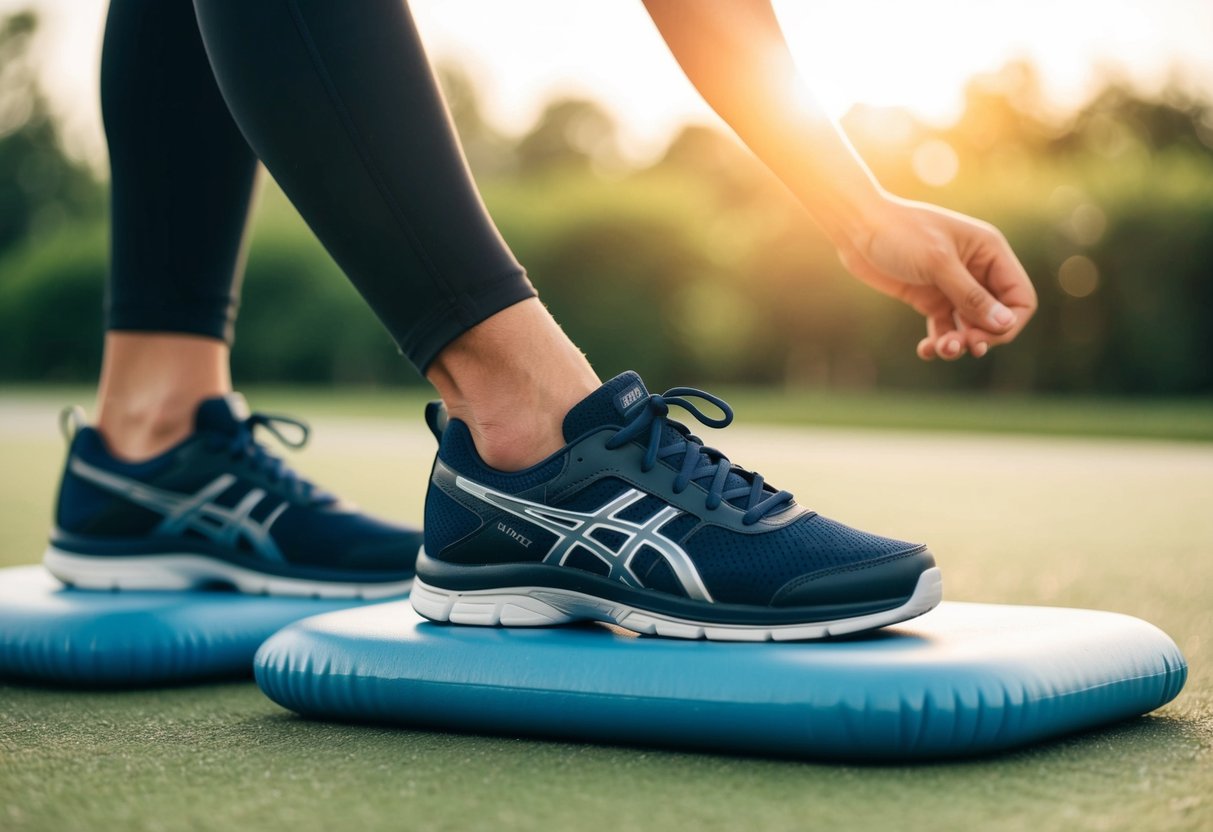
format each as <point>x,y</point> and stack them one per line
<point>71,419</point>
<point>436,418</point>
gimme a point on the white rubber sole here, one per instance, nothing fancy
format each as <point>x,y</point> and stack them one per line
<point>543,606</point>
<point>190,571</point>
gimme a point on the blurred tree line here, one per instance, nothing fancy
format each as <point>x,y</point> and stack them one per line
<point>700,267</point>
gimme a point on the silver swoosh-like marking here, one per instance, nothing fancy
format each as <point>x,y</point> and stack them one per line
<point>572,530</point>
<point>194,511</point>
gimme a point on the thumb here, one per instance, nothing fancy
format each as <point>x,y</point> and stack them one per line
<point>972,300</point>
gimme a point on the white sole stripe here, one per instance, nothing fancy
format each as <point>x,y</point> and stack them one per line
<point>187,571</point>
<point>545,606</point>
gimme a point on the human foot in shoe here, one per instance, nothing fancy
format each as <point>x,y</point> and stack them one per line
<point>637,523</point>
<point>219,508</point>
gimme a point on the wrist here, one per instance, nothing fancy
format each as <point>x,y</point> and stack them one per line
<point>833,184</point>
<point>854,218</point>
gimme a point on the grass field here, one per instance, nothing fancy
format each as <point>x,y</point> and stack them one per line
<point>1109,523</point>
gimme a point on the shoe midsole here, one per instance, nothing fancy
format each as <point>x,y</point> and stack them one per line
<point>151,549</point>
<point>461,578</point>
<point>184,570</point>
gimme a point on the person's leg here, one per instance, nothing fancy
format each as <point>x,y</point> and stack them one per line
<point>181,186</point>
<point>151,385</point>
<point>172,488</point>
<point>339,101</point>
<point>631,519</point>
<point>512,379</point>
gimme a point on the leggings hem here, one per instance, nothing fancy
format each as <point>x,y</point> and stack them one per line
<point>423,344</point>
<point>219,326</point>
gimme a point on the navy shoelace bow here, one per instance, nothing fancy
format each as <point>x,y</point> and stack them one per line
<point>699,462</point>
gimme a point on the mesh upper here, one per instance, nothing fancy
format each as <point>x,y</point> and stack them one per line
<point>584,559</point>
<point>611,539</point>
<point>749,569</point>
<point>446,521</point>
<point>661,578</point>
<point>677,528</point>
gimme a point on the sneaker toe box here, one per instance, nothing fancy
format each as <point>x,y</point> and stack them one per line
<point>812,561</point>
<point>892,577</point>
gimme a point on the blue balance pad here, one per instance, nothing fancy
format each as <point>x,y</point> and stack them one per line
<point>50,633</point>
<point>963,679</point>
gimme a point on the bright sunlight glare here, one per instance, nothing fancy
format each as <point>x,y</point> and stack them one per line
<point>919,55</point>
<point>914,54</point>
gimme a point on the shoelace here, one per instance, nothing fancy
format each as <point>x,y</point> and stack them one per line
<point>699,461</point>
<point>243,443</point>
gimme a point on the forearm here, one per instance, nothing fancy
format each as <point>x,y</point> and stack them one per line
<point>735,54</point>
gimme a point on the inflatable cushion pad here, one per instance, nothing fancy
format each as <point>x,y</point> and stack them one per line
<point>963,679</point>
<point>50,633</point>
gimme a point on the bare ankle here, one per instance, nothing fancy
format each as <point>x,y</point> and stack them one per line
<point>140,430</point>
<point>509,444</point>
<point>151,385</point>
<point>512,379</point>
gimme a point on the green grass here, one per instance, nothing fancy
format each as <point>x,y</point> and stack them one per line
<point>1105,523</point>
<point>1187,419</point>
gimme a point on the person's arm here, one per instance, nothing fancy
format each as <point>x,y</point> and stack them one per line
<point>959,273</point>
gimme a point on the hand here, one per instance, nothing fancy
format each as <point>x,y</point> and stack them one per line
<point>957,272</point>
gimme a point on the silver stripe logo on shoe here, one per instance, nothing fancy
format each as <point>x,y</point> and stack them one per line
<point>573,529</point>
<point>195,511</point>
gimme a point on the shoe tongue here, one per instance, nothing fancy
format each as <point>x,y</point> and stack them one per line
<point>222,414</point>
<point>611,405</point>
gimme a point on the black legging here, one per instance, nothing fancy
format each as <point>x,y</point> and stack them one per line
<point>339,102</point>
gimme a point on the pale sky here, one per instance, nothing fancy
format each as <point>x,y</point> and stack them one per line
<point>912,53</point>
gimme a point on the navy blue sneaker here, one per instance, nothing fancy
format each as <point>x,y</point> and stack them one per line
<point>219,510</point>
<point>635,522</point>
